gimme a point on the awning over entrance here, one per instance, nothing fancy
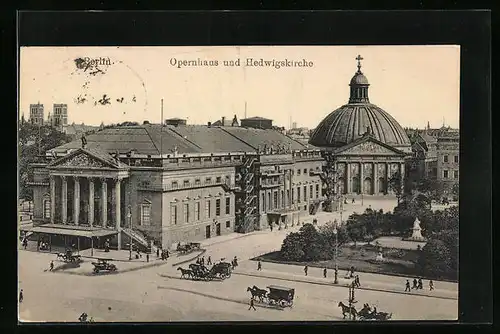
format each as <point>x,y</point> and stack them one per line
<point>76,232</point>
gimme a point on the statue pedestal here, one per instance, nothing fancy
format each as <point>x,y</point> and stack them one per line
<point>380,257</point>
<point>417,232</point>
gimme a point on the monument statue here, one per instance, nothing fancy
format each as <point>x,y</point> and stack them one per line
<point>417,231</point>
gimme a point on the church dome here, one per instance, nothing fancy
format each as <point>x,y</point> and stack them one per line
<point>357,118</point>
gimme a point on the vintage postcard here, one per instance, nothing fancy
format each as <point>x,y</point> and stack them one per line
<point>269,183</point>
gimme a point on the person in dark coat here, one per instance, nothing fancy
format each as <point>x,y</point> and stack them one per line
<point>157,252</point>
<point>259,265</point>
<point>51,265</point>
<point>209,261</point>
<point>21,296</point>
<point>415,284</point>
<point>431,285</point>
<point>407,286</point>
<point>420,284</point>
<point>324,272</point>
<point>147,257</point>
<point>306,268</point>
<point>251,305</point>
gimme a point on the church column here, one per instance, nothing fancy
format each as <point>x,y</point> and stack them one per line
<point>361,177</point>
<point>387,176</point>
<point>91,201</point>
<point>104,199</point>
<point>52,199</point>
<point>118,211</point>
<point>348,177</point>
<point>375,178</point>
<point>76,204</point>
<point>402,171</point>
<point>64,199</point>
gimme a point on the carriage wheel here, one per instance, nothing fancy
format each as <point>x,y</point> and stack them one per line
<point>223,276</point>
<point>290,303</point>
<point>283,303</point>
<point>96,270</point>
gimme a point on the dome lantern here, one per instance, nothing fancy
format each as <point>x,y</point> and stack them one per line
<point>359,85</point>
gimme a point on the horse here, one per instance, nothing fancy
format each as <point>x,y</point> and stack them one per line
<point>365,312</point>
<point>256,292</point>
<point>61,256</point>
<point>185,272</point>
<point>382,316</point>
<point>348,310</point>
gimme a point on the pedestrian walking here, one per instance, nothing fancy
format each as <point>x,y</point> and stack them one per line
<point>324,272</point>
<point>259,265</point>
<point>415,284</point>
<point>353,200</point>
<point>407,286</point>
<point>431,285</point>
<point>251,305</point>
<point>157,252</point>
<point>209,261</point>
<point>351,274</point>
<point>51,265</point>
<point>21,296</point>
<point>420,284</point>
<point>358,283</point>
<point>147,257</point>
<point>305,270</point>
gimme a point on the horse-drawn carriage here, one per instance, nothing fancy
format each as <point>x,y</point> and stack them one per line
<point>188,247</point>
<point>366,313</point>
<point>68,256</point>
<point>103,264</point>
<point>220,270</point>
<point>277,295</point>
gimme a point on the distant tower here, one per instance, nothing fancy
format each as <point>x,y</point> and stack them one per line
<point>36,113</point>
<point>294,125</point>
<point>359,86</point>
<point>60,115</point>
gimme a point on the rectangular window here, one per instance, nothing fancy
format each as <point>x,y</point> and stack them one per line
<point>269,204</point>
<point>173,214</point>
<point>298,194</point>
<point>288,196</point>
<point>175,185</point>
<point>207,208</point>
<point>445,174</point>
<point>146,215</point>
<point>263,202</point>
<point>197,182</point>
<point>46,208</point>
<point>305,193</point>
<point>445,158</point>
<point>228,224</point>
<point>282,198</point>
<point>275,198</point>
<point>305,171</point>
<point>293,195</point>
<point>311,191</point>
<point>197,211</point>
<point>217,207</point>
<point>455,174</point>
<point>298,171</point>
<point>208,180</point>
<point>186,212</point>
<point>317,190</point>
<point>186,183</point>
<point>228,205</point>
<point>218,179</point>
<point>456,159</point>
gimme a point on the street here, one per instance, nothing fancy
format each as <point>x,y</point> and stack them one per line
<point>158,294</point>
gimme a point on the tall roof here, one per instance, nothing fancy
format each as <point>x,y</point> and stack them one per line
<point>150,139</point>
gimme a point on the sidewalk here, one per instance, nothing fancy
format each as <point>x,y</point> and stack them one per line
<point>368,281</point>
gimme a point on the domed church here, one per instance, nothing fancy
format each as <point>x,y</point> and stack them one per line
<point>364,144</point>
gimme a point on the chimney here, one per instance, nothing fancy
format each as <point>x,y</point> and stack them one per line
<point>209,124</point>
<point>223,119</point>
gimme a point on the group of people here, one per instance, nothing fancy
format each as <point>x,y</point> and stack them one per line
<point>162,253</point>
<point>418,284</point>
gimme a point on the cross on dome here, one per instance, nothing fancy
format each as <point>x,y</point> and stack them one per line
<point>359,59</point>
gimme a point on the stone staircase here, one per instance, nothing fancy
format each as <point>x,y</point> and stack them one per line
<point>140,238</point>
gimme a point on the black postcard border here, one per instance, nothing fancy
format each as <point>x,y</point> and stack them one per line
<point>469,29</point>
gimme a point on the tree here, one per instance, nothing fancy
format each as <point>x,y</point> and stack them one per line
<point>396,185</point>
<point>34,142</point>
<point>291,249</point>
<point>305,245</point>
<point>435,260</point>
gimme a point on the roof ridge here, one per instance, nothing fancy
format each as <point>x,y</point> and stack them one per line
<point>183,138</point>
<point>152,140</point>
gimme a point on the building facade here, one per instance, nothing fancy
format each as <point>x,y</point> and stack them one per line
<point>365,146</point>
<point>171,184</point>
<point>37,114</point>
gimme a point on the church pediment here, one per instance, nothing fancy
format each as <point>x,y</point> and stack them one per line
<point>82,159</point>
<point>369,147</point>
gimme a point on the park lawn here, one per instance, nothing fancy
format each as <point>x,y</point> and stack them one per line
<point>362,258</point>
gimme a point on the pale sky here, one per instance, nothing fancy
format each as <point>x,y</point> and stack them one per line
<point>415,84</point>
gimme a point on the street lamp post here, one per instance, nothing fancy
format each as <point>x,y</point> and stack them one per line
<point>336,253</point>
<point>129,216</point>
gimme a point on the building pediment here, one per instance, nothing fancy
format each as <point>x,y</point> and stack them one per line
<point>86,160</point>
<point>369,146</point>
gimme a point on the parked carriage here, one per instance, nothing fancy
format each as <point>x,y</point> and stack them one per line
<point>69,256</point>
<point>103,265</point>
<point>277,295</point>
<point>188,247</point>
